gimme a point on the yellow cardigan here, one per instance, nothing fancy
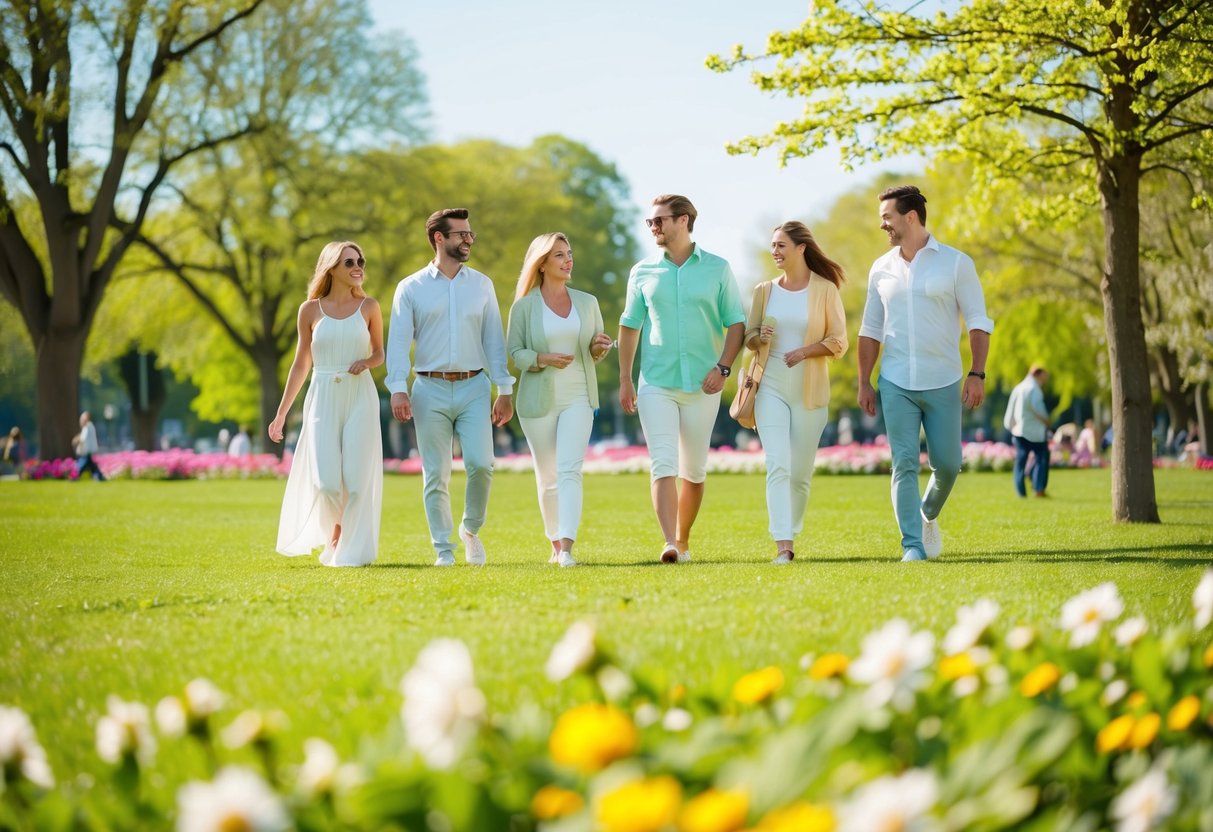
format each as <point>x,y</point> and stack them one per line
<point>827,326</point>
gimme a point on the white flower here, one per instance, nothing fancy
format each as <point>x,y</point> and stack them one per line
<point>971,624</point>
<point>20,751</point>
<point>646,714</point>
<point>1202,600</point>
<point>677,720</point>
<point>202,699</point>
<point>236,799</point>
<point>170,716</point>
<point>442,706</point>
<point>1131,631</point>
<point>1021,638</point>
<point>318,774</point>
<point>614,682</point>
<point>1145,804</point>
<point>252,726</point>
<point>892,663</point>
<point>1114,692</point>
<point>573,652</point>
<point>125,729</point>
<point>1084,614</point>
<point>900,803</point>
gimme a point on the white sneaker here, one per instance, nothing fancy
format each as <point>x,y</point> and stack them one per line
<point>566,559</point>
<point>932,540</point>
<point>445,559</point>
<point>669,554</point>
<point>555,558</point>
<point>784,557</point>
<point>474,556</point>
<point>912,555</point>
<point>684,557</point>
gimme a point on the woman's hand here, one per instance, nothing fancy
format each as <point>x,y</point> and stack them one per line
<point>600,346</point>
<point>764,334</point>
<point>275,430</point>
<point>794,357</point>
<point>357,367</point>
<point>559,360</point>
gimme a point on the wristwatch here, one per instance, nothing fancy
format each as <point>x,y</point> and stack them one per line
<point>981,376</point>
<point>724,369</point>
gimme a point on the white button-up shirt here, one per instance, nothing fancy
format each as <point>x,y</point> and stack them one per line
<point>914,309</point>
<point>1027,416</point>
<point>456,323</point>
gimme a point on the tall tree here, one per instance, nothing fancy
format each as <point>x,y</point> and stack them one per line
<point>95,100</point>
<point>1102,92</point>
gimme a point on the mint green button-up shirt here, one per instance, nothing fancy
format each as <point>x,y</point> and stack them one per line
<point>682,313</point>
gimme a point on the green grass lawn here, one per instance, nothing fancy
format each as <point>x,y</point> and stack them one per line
<point>135,588</point>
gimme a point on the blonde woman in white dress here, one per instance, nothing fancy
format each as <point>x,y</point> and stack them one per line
<point>806,326</point>
<point>555,338</point>
<point>335,488</point>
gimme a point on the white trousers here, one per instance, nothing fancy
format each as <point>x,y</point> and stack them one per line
<point>678,430</point>
<point>558,443</point>
<point>790,434</point>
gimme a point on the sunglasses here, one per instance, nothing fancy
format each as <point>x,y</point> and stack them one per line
<point>350,262</point>
<point>656,222</point>
<point>466,236</point>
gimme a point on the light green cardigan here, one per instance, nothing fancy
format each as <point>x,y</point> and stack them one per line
<point>526,339</point>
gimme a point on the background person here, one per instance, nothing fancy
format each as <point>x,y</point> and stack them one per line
<point>1027,418</point>
<point>86,447</point>
<point>555,337</point>
<point>806,324</point>
<point>334,491</point>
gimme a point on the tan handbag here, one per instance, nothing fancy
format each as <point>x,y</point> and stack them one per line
<point>742,408</point>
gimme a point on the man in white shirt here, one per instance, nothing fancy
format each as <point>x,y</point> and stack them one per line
<point>451,312</point>
<point>1027,418</point>
<point>86,446</point>
<point>917,293</point>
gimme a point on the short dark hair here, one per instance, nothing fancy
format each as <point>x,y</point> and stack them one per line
<point>440,223</point>
<point>909,198</point>
<point>678,206</point>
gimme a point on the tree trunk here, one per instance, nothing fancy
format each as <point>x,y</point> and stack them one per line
<point>1203,422</point>
<point>268,361</point>
<point>1171,390</point>
<point>1133,496</point>
<point>60,355</point>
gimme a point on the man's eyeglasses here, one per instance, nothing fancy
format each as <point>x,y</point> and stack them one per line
<point>655,222</point>
<point>466,236</point>
<point>350,262</point>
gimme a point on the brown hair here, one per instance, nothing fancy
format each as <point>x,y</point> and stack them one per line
<point>678,206</point>
<point>909,198</point>
<point>536,253</point>
<point>440,223</point>
<point>322,278</point>
<point>814,257</point>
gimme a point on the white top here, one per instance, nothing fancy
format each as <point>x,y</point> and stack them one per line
<point>914,309</point>
<point>562,333</point>
<point>1026,416</point>
<point>455,322</point>
<point>791,313</point>
<point>88,439</point>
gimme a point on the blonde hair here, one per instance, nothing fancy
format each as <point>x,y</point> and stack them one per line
<point>536,253</point>
<point>322,278</point>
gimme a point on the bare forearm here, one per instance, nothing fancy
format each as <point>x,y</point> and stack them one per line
<point>629,339</point>
<point>979,345</point>
<point>732,344</point>
<point>869,351</point>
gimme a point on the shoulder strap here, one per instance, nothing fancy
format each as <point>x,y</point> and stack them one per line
<point>764,350</point>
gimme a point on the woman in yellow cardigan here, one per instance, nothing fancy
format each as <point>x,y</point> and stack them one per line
<point>805,325</point>
<point>555,337</point>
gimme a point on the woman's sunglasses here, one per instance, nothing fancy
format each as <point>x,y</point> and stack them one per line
<point>350,262</point>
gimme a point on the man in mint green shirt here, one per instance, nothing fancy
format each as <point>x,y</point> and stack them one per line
<point>684,305</point>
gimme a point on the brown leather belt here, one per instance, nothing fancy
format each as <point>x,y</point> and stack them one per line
<point>456,375</point>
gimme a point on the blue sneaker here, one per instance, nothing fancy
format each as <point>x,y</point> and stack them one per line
<point>912,555</point>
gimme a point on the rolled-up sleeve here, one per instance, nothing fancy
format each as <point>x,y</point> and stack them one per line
<point>399,341</point>
<point>970,297</point>
<point>634,308</point>
<point>731,311</point>
<point>872,323</point>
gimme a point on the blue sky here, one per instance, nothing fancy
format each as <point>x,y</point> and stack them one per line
<point>628,79</point>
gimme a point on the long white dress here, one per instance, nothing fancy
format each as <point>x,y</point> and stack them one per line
<point>337,472</point>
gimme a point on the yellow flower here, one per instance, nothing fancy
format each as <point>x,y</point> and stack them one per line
<point>1145,731</point>
<point>591,736</point>
<point>1208,657</point>
<point>553,802</point>
<point>1115,734</point>
<point>678,693</point>
<point>798,817</point>
<point>1136,701</point>
<point>1040,679</point>
<point>1183,714</point>
<point>714,811</point>
<point>641,806</point>
<point>955,667</point>
<point>758,686</point>
<point>829,666</point>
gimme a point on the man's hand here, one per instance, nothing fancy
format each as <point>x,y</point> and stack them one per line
<point>867,398</point>
<point>713,382</point>
<point>503,409</point>
<point>627,396</point>
<point>974,392</point>
<point>402,408</point>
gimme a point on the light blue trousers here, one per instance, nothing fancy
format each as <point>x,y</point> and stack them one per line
<point>443,410</point>
<point>937,414</point>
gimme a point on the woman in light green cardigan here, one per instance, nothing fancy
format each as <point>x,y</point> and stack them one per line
<point>556,336</point>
